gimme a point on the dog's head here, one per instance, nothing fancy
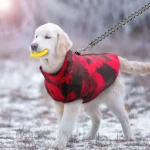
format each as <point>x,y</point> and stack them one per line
<point>51,37</point>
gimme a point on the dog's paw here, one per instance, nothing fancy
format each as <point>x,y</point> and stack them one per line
<point>89,137</point>
<point>130,139</point>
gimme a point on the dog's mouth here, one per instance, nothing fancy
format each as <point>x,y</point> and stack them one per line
<point>39,54</point>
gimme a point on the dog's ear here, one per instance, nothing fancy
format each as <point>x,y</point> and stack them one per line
<point>63,44</point>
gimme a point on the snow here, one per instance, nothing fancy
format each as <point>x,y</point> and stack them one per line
<point>28,119</point>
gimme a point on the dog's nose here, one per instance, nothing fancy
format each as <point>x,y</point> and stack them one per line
<point>34,46</point>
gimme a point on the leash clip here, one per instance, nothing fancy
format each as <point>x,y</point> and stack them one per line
<point>77,52</point>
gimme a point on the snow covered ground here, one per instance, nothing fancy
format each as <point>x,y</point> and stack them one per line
<point>28,120</point>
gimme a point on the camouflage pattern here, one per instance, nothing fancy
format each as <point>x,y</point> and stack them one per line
<point>82,76</point>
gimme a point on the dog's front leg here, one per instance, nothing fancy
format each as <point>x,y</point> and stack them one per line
<point>59,107</point>
<point>70,113</point>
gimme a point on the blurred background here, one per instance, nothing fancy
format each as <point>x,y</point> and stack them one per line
<point>83,20</point>
<point>26,113</point>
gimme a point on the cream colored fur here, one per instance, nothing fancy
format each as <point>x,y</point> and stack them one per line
<point>68,112</point>
<point>134,67</point>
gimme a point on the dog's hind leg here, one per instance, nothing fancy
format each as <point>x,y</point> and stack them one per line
<point>95,115</point>
<point>114,102</point>
<point>118,109</point>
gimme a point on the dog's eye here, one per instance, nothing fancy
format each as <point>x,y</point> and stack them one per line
<point>47,37</point>
<point>36,37</point>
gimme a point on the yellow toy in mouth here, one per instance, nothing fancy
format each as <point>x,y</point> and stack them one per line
<point>39,54</point>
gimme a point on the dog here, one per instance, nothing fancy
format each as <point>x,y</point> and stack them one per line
<point>58,43</point>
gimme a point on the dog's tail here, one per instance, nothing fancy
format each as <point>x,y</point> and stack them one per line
<point>134,67</point>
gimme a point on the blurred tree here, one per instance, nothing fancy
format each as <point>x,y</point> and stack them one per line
<point>80,18</point>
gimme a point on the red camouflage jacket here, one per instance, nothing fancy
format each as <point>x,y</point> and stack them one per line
<point>82,76</point>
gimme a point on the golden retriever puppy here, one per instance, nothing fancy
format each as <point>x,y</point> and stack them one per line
<point>82,81</point>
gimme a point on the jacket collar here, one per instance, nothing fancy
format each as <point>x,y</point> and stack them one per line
<point>56,77</point>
